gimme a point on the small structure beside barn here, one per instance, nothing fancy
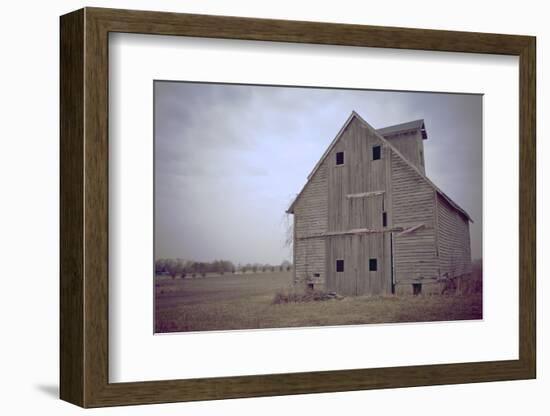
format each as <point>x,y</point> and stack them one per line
<point>369,222</point>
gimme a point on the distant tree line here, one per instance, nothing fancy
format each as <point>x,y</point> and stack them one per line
<point>184,268</point>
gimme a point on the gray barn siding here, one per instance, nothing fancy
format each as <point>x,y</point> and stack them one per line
<point>339,202</point>
<point>410,145</point>
<point>356,279</point>
<point>454,240</point>
<point>415,253</point>
<point>310,219</point>
<point>359,174</point>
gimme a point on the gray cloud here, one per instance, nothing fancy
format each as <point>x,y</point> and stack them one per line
<point>230,158</point>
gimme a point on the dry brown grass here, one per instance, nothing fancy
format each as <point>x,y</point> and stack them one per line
<point>261,301</point>
<point>296,296</point>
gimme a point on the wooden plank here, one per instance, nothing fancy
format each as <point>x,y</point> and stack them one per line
<point>71,318</point>
<point>354,231</point>
<point>365,194</point>
<point>410,230</point>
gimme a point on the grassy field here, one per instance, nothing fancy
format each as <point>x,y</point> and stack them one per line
<point>246,302</point>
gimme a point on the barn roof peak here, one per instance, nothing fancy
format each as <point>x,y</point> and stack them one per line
<point>355,115</point>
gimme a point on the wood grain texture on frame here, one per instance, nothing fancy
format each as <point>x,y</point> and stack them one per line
<point>84,207</point>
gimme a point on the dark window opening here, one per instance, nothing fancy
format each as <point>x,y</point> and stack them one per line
<point>339,265</point>
<point>384,219</point>
<point>339,158</point>
<point>373,265</point>
<point>310,286</point>
<point>417,288</point>
<point>316,274</point>
<point>376,152</point>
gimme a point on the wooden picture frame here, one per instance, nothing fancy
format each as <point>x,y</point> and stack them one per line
<point>84,207</point>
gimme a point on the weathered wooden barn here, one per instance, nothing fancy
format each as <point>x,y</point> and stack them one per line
<point>368,221</point>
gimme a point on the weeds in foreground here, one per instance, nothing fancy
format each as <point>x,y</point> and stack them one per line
<point>295,296</point>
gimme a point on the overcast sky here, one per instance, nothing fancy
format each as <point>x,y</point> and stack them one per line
<point>229,159</point>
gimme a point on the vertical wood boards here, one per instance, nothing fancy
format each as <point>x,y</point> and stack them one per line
<point>356,251</point>
<point>359,174</point>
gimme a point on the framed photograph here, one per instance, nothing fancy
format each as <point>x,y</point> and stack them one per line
<point>254,207</point>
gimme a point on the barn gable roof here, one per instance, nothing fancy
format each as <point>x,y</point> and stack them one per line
<point>403,127</point>
<point>393,129</point>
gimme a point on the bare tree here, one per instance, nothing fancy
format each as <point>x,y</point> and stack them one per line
<point>174,267</point>
<point>286,265</point>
